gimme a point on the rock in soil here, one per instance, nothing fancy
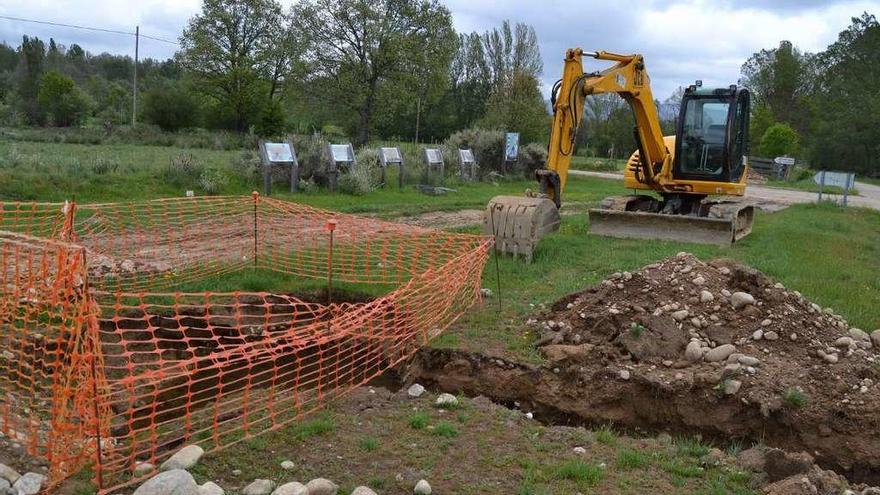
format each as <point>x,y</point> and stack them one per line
<point>29,484</point>
<point>211,488</point>
<point>321,486</point>
<point>173,482</point>
<point>184,458</point>
<point>9,474</point>
<point>446,400</point>
<point>292,488</point>
<point>259,487</point>
<point>362,490</point>
<point>422,488</point>
<point>415,390</point>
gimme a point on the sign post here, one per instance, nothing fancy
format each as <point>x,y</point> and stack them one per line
<point>279,154</point>
<point>843,180</point>
<point>340,154</point>
<point>511,150</point>
<point>433,159</point>
<point>392,156</point>
<point>467,165</point>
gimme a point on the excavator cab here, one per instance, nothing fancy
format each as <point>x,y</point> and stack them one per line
<point>712,130</point>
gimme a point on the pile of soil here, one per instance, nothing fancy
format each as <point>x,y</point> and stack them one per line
<point>690,347</point>
<point>686,325</point>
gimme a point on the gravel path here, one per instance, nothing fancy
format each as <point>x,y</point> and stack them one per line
<point>869,194</point>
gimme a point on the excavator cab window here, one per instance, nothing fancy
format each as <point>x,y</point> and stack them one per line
<point>712,135</point>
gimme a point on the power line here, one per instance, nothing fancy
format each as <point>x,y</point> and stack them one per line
<point>86,28</point>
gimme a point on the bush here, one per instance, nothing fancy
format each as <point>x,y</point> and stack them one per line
<point>779,140</point>
<point>532,156</point>
<point>171,107</point>
<point>488,149</point>
<point>62,101</point>
<point>183,171</point>
<point>213,181</point>
<point>271,121</point>
<point>246,166</point>
<point>359,181</point>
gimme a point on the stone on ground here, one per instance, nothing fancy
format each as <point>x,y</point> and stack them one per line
<point>29,484</point>
<point>321,486</point>
<point>288,465</point>
<point>740,300</point>
<point>446,400</point>
<point>422,488</point>
<point>4,486</point>
<point>720,353</point>
<point>259,487</point>
<point>706,296</point>
<point>780,464</point>
<point>292,488</point>
<point>362,490</point>
<point>211,488</point>
<point>143,468</point>
<point>415,390</point>
<point>875,338</point>
<point>184,458</point>
<point>9,474</point>
<point>693,351</point>
<point>173,482</point>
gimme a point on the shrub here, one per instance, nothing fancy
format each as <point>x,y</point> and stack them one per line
<point>795,397</point>
<point>488,148</point>
<point>104,165</point>
<point>171,107</point>
<point>271,121</point>
<point>445,429</point>
<point>213,181</point>
<point>62,101</point>
<point>419,420</point>
<point>779,139</point>
<point>358,181</point>
<point>579,471</point>
<point>368,444</point>
<point>183,170</point>
<point>532,156</point>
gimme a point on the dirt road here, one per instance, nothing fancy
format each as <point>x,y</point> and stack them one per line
<point>869,195</point>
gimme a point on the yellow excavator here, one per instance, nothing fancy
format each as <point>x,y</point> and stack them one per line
<point>706,157</point>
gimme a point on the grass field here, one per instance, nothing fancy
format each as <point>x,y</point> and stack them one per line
<point>808,184</point>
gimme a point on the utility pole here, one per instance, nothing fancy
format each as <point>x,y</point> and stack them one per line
<point>134,102</point>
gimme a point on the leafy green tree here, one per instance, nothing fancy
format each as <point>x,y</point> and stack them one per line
<point>761,120</point>
<point>779,140</point>
<point>365,54</point>
<point>32,55</point>
<point>237,51</point>
<point>846,124</point>
<point>272,121</point>
<point>171,107</point>
<point>61,99</point>
<point>781,79</point>
<point>517,106</point>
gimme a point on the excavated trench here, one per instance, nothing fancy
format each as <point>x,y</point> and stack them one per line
<point>600,397</point>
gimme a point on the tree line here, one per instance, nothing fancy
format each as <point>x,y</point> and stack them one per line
<point>367,69</point>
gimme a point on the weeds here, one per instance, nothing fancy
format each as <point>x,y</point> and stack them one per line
<point>579,471</point>
<point>419,420</point>
<point>632,459</point>
<point>445,429</point>
<point>368,444</point>
<point>315,427</point>
<point>636,330</point>
<point>691,447</point>
<point>606,436</point>
<point>795,397</point>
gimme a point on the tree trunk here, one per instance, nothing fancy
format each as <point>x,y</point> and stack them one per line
<point>366,113</point>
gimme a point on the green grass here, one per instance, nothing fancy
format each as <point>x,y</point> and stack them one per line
<point>320,425</point>
<point>585,474</point>
<point>632,459</point>
<point>445,429</point>
<point>419,420</point>
<point>691,447</point>
<point>795,397</point>
<point>606,436</point>
<point>597,164</point>
<point>368,444</point>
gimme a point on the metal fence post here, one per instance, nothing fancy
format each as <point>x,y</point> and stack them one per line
<point>821,184</point>
<point>256,197</point>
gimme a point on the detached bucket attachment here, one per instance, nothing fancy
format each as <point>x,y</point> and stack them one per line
<point>519,222</point>
<point>723,224</point>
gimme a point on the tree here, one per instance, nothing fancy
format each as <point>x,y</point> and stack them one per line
<point>62,101</point>
<point>237,52</point>
<point>512,51</point>
<point>779,140</point>
<point>271,121</point>
<point>170,106</point>
<point>781,79</point>
<point>517,106</point>
<point>359,49</point>
<point>846,124</point>
<point>32,54</point>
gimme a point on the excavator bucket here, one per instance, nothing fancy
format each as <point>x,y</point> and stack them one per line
<point>517,223</point>
<point>721,224</point>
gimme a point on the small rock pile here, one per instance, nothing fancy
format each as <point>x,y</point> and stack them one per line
<point>174,479</point>
<point>13,483</point>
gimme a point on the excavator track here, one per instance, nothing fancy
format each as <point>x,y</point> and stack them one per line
<point>719,222</point>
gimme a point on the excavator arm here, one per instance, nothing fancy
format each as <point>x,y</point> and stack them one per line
<point>629,79</point>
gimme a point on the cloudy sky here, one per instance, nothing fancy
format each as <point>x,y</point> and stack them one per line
<point>682,40</point>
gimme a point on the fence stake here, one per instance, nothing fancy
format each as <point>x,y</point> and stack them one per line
<point>821,184</point>
<point>93,354</point>
<point>331,226</point>
<point>846,189</point>
<point>495,252</point>
<point>256,197</point>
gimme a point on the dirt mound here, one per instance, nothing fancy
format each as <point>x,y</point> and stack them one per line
<point>686,325</point>
<point>685,346</point>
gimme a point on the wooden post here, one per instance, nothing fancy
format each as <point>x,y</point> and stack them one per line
<point>267,169</point>
<point>294,167</point>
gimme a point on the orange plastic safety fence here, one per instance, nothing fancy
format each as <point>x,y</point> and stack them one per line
<point>151,369</point>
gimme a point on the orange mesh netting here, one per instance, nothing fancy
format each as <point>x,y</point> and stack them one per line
<point>108,355</point>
